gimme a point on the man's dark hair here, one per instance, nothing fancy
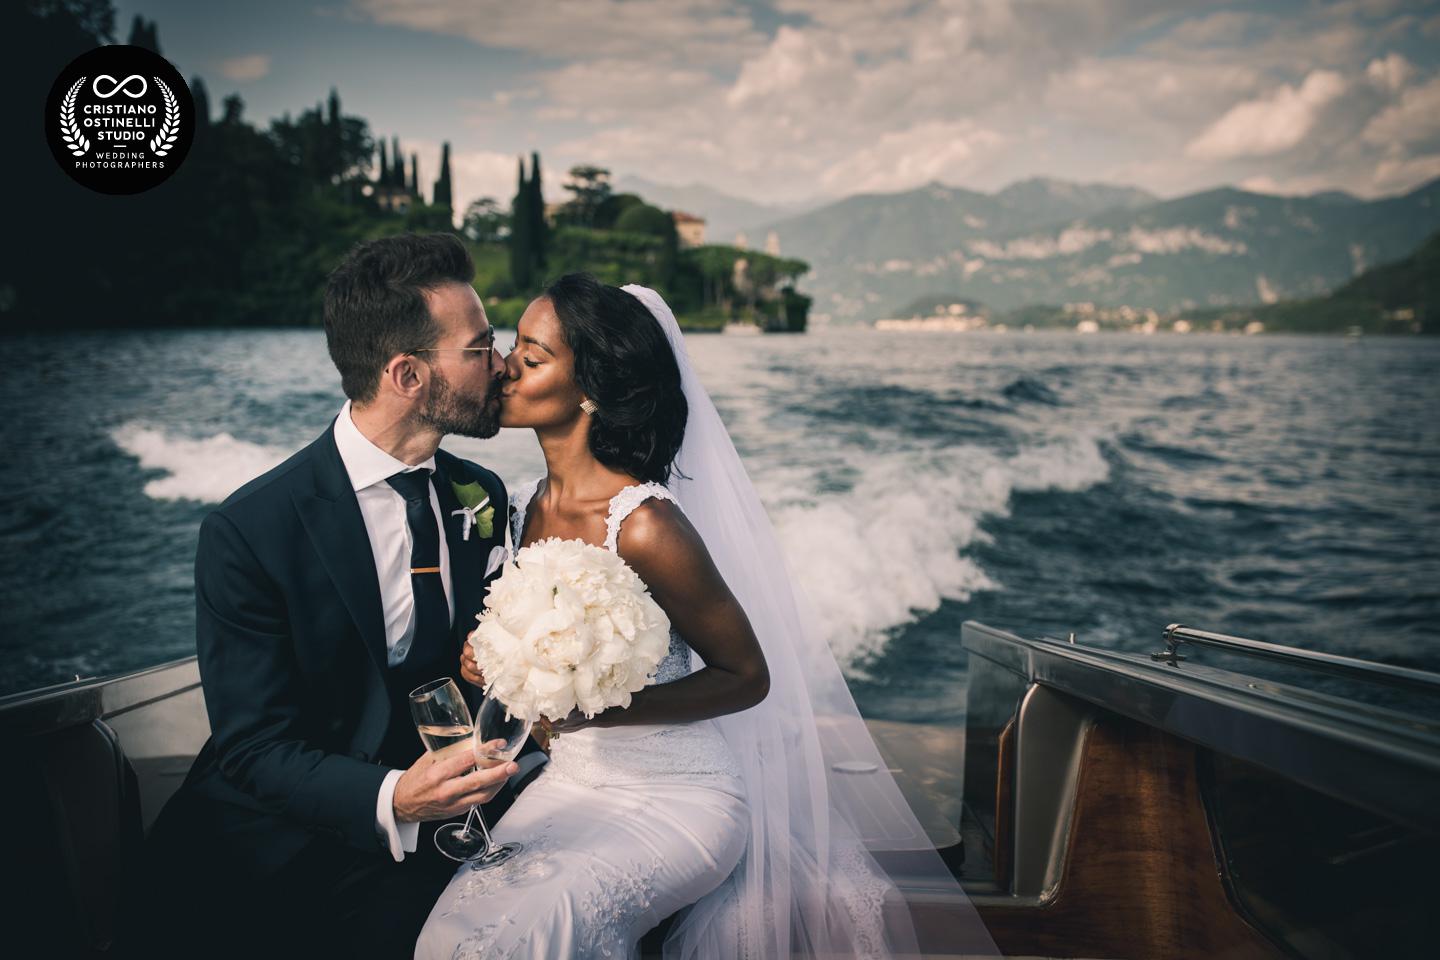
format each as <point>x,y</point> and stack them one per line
<point>375,306</point>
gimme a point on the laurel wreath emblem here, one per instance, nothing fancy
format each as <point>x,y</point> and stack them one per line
<point>169,129</point>
<point>69,129</point>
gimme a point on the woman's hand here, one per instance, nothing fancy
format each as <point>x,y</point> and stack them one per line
<point>469,669</point>
<point>547,730</point>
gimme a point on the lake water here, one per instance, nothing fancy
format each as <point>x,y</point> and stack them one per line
<point>1279,488</point>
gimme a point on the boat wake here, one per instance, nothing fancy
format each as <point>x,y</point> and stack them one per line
<point>870,558</point>
<point>891,548</point>
<point>207,470</point>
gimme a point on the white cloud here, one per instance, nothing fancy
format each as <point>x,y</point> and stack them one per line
<point>848,96</point>
<point>1390,73</point>
<point>695,31</point>
<point>1288,187</point>
<point>242,69</point>
<point>814,67</point>
<point>927,151</point>
<point>608,90</point>
<point>1415,118</point>
<point>1271,124</point>
<point>1405,173</point>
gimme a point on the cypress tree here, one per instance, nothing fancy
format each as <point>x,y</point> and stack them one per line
<point>521,273</point>
<point>539,232</point>
<point>334,139</point>
<point>441,195</point>
<point>201,96</point>
<point>384,166</point>
<point>397,164</point>
<point>415,175</point>
<point>144,34</point>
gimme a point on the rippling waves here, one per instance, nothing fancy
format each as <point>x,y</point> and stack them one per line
<point>1281,488</point>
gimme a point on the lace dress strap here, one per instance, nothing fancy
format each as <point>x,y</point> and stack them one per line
<point>624,503</point>
<point>520,498</point>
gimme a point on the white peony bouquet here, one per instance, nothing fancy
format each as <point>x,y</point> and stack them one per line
<point>568,625</point>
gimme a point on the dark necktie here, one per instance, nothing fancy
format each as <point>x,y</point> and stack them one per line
<point>432,612</point>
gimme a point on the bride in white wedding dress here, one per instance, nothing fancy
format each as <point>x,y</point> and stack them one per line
<point>709,797</point>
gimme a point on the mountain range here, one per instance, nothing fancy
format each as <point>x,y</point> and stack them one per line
<point>725,215</point>
<point>1054,242</point>
<point>1401,296</point>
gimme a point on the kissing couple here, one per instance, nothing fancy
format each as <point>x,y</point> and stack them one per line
<point>330,588</point>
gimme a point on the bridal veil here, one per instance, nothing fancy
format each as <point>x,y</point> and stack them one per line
<point>807,886</point>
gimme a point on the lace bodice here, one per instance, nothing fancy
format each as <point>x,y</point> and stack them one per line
<point>676,663</point>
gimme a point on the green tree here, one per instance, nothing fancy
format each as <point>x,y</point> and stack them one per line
<point>522,270</point>
<point>590,185</point>
<point>484,221</point>
<point>539,229</point>
<point>201,96</point>
<point>145,34</point>
<point>611,207</point>
<point>440,197</point>
<point>654,222</point>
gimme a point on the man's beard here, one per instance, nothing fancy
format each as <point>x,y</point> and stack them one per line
<point>450,412</point>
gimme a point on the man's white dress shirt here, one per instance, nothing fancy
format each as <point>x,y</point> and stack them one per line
<point>383,508</point>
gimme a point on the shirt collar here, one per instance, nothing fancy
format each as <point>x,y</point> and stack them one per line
<point>366,463</point>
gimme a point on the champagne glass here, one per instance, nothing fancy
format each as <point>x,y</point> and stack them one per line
<point>498,738</point>
<point>442,718</point>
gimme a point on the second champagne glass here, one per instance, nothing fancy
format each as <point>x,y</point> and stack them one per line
<point>498,739</point>
<point>442,718</point>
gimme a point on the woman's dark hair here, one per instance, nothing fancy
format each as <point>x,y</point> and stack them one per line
<point>375,306</point>
<point>625,365</point>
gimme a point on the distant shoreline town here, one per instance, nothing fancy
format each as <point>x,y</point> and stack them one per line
<point>1400,298</point>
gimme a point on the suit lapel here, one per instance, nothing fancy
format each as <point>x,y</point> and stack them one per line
<point>332,519</point>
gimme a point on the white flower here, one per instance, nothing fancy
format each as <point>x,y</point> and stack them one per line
<point>568,625</point>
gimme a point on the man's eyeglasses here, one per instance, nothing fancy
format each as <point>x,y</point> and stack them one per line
<point>485,349</point>
<point>466,349</point>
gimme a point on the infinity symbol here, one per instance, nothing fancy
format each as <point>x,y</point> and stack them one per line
<point>121,87</point>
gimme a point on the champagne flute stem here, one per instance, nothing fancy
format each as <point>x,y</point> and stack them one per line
<point>472,820</point>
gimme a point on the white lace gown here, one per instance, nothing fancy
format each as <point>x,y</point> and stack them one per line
<point>624,826</point>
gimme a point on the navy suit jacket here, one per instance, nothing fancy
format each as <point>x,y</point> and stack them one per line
<point>292,654</point>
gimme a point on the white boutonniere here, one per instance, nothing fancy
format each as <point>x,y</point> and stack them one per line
<point>475,508</point>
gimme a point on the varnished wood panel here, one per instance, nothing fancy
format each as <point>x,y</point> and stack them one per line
<point>1140,878</point>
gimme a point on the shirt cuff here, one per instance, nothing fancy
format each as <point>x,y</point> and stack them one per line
<point>398,838</point>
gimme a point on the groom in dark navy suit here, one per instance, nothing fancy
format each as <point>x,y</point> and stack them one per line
<point>326,590</point>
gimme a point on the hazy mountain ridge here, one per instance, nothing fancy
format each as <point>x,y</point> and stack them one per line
<point>1049,241</point>
<point>1401,296</point>
<point>725,215</point>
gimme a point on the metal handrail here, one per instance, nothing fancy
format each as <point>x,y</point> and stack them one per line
<point>1386,673</point>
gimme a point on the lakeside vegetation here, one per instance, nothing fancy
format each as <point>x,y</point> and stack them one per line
<point>247,229</point>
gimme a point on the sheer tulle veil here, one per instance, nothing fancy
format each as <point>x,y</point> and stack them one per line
<point>807,885</point>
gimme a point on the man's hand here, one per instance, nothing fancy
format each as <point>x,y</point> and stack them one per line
<point>447,783</point>
<point>469,669</point>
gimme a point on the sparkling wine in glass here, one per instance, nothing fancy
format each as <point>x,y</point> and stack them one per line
<point>443,719</point>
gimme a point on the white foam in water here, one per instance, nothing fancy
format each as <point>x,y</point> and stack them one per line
<point>869,559</point>
<point>207,470</point>
<point>890,548</point>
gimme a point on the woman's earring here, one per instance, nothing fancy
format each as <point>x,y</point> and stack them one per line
<point>588,405</point>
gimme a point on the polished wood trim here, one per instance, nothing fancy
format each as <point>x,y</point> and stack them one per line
<point>1003,855</point>
<point>1140,878</point>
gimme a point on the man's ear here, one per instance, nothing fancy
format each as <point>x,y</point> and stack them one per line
<point>401,376</point>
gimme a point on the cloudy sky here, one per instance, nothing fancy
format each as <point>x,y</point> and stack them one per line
<point>788,100</point>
